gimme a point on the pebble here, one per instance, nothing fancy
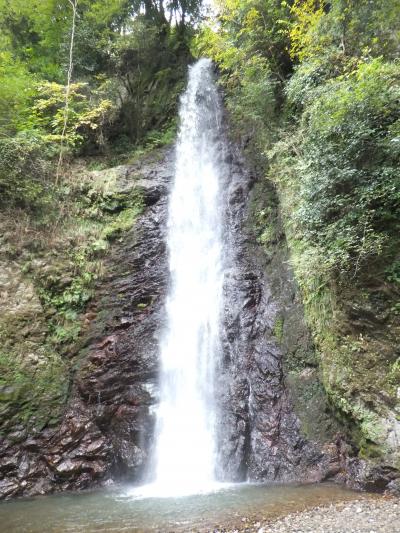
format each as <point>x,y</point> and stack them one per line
<point>383,514</point>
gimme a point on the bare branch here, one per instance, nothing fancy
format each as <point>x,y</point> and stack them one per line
<point>74,4</point>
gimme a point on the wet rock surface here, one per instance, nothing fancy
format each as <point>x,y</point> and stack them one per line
<point>260,435</point>
<point>108,421</point>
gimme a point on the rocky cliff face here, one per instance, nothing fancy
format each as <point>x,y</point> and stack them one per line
<point>107,423</point>
<point>262,437</point>
<point>275,423</point>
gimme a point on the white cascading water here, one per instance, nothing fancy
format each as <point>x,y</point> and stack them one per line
<point>184,460</point>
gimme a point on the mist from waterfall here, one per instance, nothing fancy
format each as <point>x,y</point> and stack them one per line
<point>184,458</point>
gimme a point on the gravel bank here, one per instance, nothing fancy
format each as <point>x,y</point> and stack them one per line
<point>360,516</point>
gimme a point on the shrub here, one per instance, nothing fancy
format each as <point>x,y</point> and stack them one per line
<point>89,113</point>
<point>24,171</point>
<point>350,188</point>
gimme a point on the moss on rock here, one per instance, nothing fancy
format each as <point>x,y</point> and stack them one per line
<point>48,285</point>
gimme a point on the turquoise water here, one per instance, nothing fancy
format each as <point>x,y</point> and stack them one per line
<point>116,510</point>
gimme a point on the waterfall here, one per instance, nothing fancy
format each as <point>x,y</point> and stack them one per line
<point>184,459</point>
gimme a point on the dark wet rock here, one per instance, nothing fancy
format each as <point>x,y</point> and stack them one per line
<point>9,464</point>
<point>365,475</point>
<point>393,487</point>
<point>107,426</point>
<point>9,487</point>
<point>261,437</point>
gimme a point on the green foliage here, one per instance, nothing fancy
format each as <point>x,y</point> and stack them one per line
<point>350,191</point>
<point>163,137</point>
<point>39,34</point>
<point>88,114</point>
<point>36,34</point>
<point>16,91</point>
<point>251,84</point>
<point>129,66</point>
<point>394,374</point>
<point>253,99</point>
<point>310,76</point>
<point>151,67</point>
<point>307,18</point>
<point>393,272</point>
<point>23,171</point>
<point>259,28</point>
<point>265,222</point>
<point>353,28</point>
<point>123,222</point>
<point>278,328</point>
<point>99,25</point>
